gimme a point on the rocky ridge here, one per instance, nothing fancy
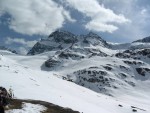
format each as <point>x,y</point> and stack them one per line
<point>90,61</point>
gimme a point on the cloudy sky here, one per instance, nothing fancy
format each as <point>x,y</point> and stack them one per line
<point>24,22</point>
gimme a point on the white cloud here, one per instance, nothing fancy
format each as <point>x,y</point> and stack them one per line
<point>35,16</point>
<point>137,11</point>
<point>92,25</point>
<point>23,50</point>
<point>143,11</point>
<point>21,41</point>
<point>102,19</point>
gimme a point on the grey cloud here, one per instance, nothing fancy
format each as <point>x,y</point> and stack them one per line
<point>21,41</point>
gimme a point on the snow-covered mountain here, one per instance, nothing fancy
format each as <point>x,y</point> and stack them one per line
<point>84,73</point>
<point>4,48</point>
<point>144,40</point>
<point>61,40</point>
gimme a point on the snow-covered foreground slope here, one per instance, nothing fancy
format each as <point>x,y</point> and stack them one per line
<point>29,82</point>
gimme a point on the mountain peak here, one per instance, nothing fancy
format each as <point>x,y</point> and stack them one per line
<point>92,34</point>
<point>144,40</point>
<point>60,33</point>
<point>61,39</point>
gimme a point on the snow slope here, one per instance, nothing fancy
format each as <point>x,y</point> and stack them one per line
<point>24,75</point>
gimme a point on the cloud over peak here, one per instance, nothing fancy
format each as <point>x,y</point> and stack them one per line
<point>21,41</point>
<point>101,18</point>
<point>35,16</point>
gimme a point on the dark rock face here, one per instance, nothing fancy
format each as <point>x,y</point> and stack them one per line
<point>39,48</point>
<point>122,55</point>
<point>123,75</point>
<point>142,71</point>
<point>97,79</point>
<point>107,68</point>
<point>93,77</point>
<point>67,55</point>
<point>123,67</point>
<point>135,54</point>
<point>102,54</point>
<point>132,62</point>
<point>51,63</point>
<point>134,110</point>
<point>63,36</point>
<point>144,52</point>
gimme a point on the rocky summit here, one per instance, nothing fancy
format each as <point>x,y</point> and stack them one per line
<point>60,40</point>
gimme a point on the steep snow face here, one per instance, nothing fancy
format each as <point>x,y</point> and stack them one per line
<point>30,83</point>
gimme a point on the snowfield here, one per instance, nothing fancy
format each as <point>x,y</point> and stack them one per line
<point>28,81</point>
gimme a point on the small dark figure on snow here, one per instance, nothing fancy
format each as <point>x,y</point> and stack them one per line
<point>4,96</point>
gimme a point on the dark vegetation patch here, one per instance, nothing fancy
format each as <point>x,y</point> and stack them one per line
<point>51,108</point>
